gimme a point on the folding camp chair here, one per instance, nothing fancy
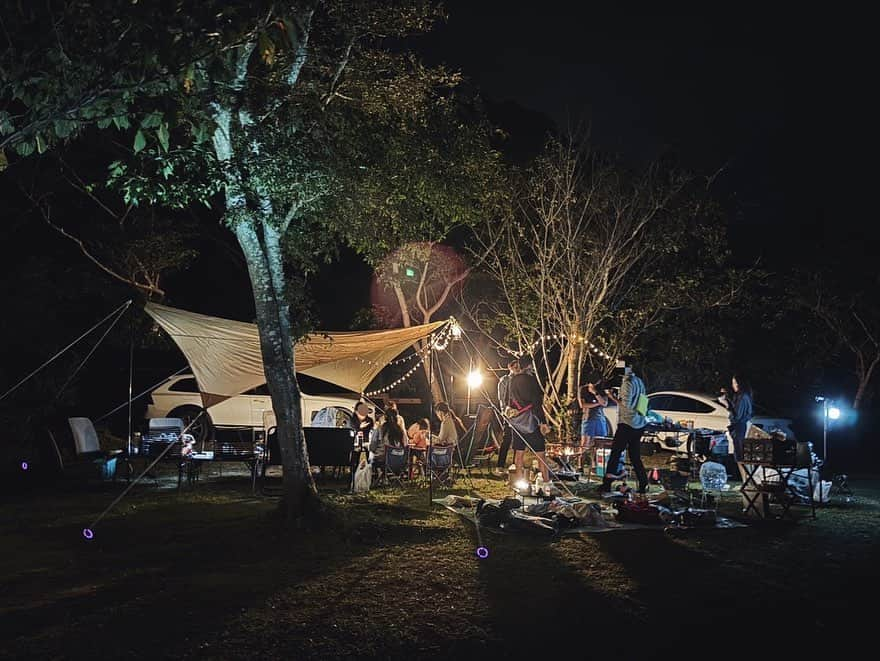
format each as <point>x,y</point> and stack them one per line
<point>88,449</point>
<point>78,470</point>
<point>478,445</point>
<point>440,465</point>
<point>713,482</point>
<point>396,465</point>
<point>161,433</point>
<point>269,458</point>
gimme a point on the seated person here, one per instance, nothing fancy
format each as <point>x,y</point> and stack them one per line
<point>391,410</point>
<point>450,424</point>
<point>389,434</point>
<point>418,434</point>
<point>418,440</point>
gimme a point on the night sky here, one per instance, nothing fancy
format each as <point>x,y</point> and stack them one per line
<point>708,90</point>
<point>763,95</point>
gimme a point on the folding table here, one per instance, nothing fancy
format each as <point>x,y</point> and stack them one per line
<point>779,485</point>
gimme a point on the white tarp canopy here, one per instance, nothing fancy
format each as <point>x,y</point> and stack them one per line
<point>225,355</point>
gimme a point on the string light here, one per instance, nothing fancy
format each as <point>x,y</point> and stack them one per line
<point>439,341</point>
<point>396,383</point>
<point>435,343</point>
<point>578,339</point>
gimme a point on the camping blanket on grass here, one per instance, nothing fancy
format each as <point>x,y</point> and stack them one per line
<point>506,517</point>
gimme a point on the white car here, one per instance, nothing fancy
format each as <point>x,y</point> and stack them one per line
<point>179,398</point>
<point>705,411</point>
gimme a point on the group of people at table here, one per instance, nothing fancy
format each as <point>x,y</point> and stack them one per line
<point>390,430</point>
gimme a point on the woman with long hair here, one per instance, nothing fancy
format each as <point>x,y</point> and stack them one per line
<point>450,425</point>
<point>739,406</point>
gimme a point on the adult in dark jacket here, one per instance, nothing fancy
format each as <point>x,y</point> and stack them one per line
<point>739,407</point>
<point>504,400</point>
<point>526,394</point>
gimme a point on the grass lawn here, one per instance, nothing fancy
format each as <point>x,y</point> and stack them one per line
<point>207,572</point>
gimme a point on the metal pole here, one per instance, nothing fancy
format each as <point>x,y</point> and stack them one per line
<point>430,414</point>
<point>470,371</point>
<point>130,381</point>
<point>825,431</point>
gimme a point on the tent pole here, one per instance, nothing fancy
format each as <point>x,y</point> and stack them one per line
<point>430,416</point>
<point>130,380</point>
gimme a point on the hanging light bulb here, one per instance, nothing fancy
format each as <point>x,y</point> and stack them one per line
<point>474,379</point>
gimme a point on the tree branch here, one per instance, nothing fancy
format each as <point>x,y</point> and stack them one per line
<point>97,262</point>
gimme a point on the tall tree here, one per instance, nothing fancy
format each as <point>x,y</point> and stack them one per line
<point>422,279</point>
<point>848,310</point>
<point>423,181</point>
<point>249,105</point>
<point>590,256</point>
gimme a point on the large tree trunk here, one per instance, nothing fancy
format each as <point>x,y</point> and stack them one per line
<point>262,250</point>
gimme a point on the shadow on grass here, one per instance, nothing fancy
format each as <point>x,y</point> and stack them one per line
<point>168,573</point>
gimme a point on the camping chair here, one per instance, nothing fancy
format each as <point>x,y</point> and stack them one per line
<point>270,457</point>
<point>396,465</point>
<point>478,445</point>
<point>88,448</point>
<point>80,471</point>
<point>713,482</point>
<point>440,465</point>
<point>161,433</point>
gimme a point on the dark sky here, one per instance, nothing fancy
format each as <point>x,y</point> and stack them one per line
<point>712,88</point>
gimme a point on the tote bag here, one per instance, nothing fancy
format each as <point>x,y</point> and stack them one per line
<point>522,419</point>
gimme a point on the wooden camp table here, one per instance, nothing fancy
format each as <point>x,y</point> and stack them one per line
<point>781,487</point>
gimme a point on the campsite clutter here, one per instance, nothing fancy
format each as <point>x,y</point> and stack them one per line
<point>225,358</point>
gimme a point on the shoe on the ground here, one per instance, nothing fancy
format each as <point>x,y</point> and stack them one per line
<point>616,476</point>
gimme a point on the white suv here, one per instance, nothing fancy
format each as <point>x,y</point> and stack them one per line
<point>704,410</point>
<point>179,398</point>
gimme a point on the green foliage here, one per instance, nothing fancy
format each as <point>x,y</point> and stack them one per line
<point>421,169</point>
<point>72,64</point>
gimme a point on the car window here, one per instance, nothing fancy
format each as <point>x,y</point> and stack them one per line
<point>331,416</point>
<point>659,403</point>
<point>261,391</point>
<point>184,385</point>
<point>687,405</point>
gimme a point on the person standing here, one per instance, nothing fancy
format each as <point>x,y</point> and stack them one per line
<point>628,436</point>
<point>503,401</point>
<point>526,394</point>
<point>593,424</point>
<point>362,422</point>
<point>739,407</point>
<point>592,404</point>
